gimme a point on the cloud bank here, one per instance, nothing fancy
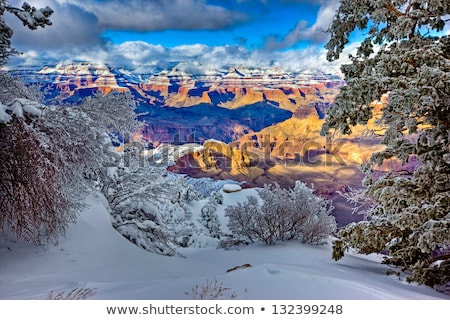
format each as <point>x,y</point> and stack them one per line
<point>157,15</point>
<point>78,26</point>
<point>135,54</point>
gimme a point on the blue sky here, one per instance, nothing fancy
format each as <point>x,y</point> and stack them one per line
<point>259,33</point>
<point>255,23</point>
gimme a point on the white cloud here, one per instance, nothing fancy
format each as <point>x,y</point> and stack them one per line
<point>315,33</point>
<point>71,27</point>
<point>139,15</point>
<point>134,54</point>
<point>78,25</point>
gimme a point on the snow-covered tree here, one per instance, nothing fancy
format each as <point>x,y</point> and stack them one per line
<point>13,87</point>
<point>406,56</point>
<point>150,208</point>
<point>114,119</point>
<point>39,195</point>
<point>216,197</point>
<point>280,215</point>
<point>210,219</point>
<point>30,16</point>
<point>82,142</point>
<point>114,112</point>
<point>50,157</point>
<point>48,152</point>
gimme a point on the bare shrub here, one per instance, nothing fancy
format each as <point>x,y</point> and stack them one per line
<point>51,157</point>
<point>35,202</point>
<point>75,294</point>
<point>282,214</point>
<point>210,290</point>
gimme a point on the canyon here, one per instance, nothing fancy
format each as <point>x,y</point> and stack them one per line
<point>256,126</point>
<point>178,106</point>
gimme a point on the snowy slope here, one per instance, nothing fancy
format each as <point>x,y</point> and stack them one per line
<point>94,255</point>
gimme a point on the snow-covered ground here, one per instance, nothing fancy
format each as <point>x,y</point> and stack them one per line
<point>94,255</point>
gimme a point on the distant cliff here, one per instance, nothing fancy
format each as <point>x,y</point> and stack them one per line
<point>180,107</point>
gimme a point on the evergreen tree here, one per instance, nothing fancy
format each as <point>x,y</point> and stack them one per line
<point>406,56</point>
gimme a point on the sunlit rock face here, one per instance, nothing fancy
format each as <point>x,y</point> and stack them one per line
<point>230,104</point>
<point>180,105</point>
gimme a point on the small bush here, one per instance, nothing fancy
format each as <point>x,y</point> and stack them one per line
<point>210,290</point>
<point>75,294</point>
<point>282,214</point>
<point>210,220</point>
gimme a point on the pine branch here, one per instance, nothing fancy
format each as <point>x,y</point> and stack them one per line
<point>394,10</point>
<point>443,256</point>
